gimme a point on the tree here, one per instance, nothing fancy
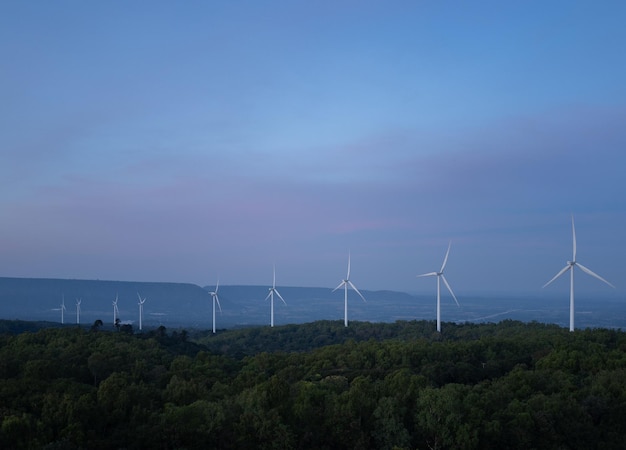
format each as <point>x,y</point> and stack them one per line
<point>96,325</point>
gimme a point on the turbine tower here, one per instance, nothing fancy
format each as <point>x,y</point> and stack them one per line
<point>215,299</point>
<point>570,266</point>
<point>78,302</point>
<point>141,302</point>
<point>273,291</point>
<point>62,308</point>
<point>345,283</point>
<point>116,312</point>
<point>440,276</point>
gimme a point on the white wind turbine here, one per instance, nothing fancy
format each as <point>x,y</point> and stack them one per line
<point>141,302</point>
<point>78,302</point>
<point>116,312</point>
<point>570,266</point>
<point>345,283</point>
<point>215,299</point>
<point>62,308</point>
<point>273,291</point>
<point>440,276</point>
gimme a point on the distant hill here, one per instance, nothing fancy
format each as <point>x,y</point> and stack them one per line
<point>40,299</point>
<point>189,305</point>
<point>185,305</point>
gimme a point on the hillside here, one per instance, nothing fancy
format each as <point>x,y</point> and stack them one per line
<point>318,385</point>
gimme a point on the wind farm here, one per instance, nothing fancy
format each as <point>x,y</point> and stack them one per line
<point>175,304</point>
<point>240,305</point>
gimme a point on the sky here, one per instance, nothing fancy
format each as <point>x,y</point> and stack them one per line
<point>196,141</point>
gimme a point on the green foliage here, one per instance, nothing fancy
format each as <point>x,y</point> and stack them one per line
<point>319,385</point>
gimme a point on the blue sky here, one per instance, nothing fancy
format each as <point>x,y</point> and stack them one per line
<point>186,141</point>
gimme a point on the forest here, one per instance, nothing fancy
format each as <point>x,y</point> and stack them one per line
<point>318,385</point>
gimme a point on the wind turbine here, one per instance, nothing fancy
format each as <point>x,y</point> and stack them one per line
<point>141,302</point>
<point>345,283</point>
<point>440,276</point>
<point>116,312</point>
<point>78,302</point>
<point>62,308</point>
<point>570,266</point>
<point>273,291</point>
<point>215,299</point>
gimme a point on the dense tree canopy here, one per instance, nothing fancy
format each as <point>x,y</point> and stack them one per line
<point>317,385</point>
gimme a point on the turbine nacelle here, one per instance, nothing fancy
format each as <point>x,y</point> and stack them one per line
<point>273,291</point>
<point>217,286</point>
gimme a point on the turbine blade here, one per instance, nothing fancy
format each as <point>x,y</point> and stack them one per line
<point>593,274</point>
<point>450,289</point>
<point>340,285</point>
<point>561,272</point>
<point>280,296</point>
<point>573,240</point>
<point>429,274</point>
<point>348,275</point>
<point>445,260</point>
<point>217,285</point>
<point>356,290</point>
<point>274,279</point>
<point>268,295</point>
<point>218,302</point>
